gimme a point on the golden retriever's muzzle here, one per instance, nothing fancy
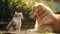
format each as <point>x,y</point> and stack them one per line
<point>32,14</point>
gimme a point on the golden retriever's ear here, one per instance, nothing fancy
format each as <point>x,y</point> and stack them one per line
<point>40,10</point>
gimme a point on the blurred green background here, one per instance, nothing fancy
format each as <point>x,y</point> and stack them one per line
<point>8,7</point>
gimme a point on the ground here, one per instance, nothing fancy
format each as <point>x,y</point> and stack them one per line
<point>23,32</point>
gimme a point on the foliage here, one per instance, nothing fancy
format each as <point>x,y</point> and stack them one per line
<point>50,5</point>
<point>4,10</point>
<point>8,7</point>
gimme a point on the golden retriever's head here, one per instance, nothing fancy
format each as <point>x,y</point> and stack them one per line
<point>33,13</point>
<point>38,10</point>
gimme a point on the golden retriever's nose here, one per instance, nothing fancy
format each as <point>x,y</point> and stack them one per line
<point>30,13</point>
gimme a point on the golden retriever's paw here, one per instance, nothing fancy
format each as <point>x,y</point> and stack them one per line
<point>31,30</point>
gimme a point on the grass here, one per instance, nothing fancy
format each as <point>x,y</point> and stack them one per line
<point>24,31</point>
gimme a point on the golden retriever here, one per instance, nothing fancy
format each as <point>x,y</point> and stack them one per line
<point>46,20</point>
<point>15,23</point>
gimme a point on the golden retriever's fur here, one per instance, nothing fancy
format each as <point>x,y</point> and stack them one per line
<point>15,23</point>
<point>45,18</point>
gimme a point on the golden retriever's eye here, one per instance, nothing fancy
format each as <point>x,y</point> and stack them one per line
<point>33,10</point>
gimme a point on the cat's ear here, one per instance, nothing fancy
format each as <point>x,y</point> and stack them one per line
<point>16,12</point>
